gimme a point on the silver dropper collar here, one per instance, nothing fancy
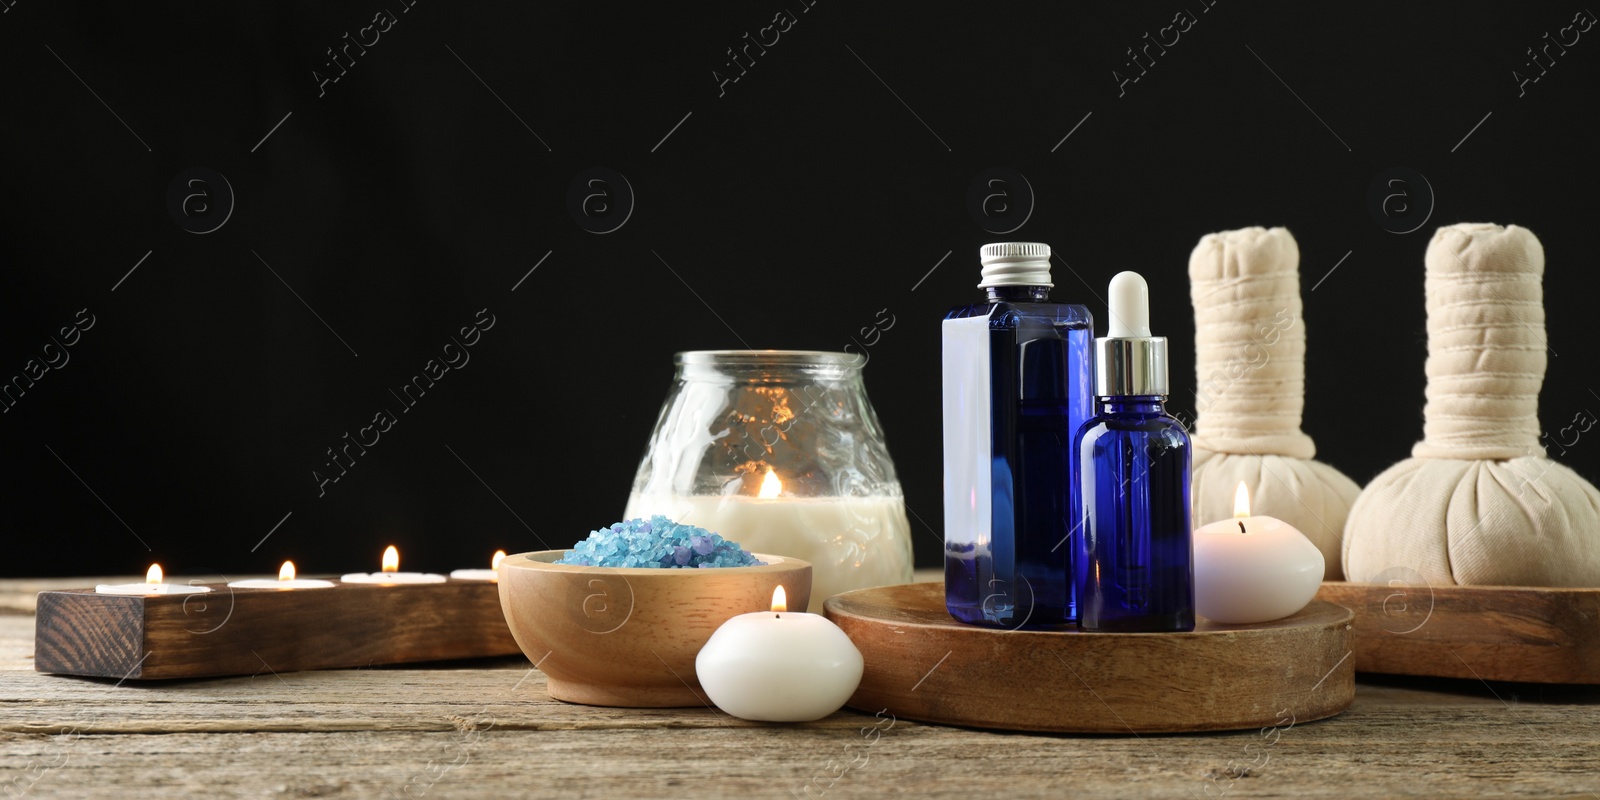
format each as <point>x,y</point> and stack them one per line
<point>1129,362</point>
<point>1129,367</point>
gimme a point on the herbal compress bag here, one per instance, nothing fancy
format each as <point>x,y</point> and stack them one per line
<point>1250,350</point>
<point>1478,502</point>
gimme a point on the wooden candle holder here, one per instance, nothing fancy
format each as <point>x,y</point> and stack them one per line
<point>232,631</point>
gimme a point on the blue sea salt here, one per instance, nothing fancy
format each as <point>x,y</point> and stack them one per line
<point>657,542</point>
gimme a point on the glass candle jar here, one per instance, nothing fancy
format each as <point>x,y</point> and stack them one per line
<point>781,452</point>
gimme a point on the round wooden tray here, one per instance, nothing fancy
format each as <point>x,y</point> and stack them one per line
<point>1405,626</point>
<point>923,665</point>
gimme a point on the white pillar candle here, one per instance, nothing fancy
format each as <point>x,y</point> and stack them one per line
<point>286,580</point>
<point>1253,569</point>
<point>490,574</point>
<point>779,666</point>
<point>152,585</point>
<point>851,542</point>
<point>391,573</point>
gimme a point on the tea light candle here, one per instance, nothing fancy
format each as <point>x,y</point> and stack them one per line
<point>286,580</point>
<point>1253,569</point>
<point>490,574</point>
<point>152,585</point>
<point>779,666</point>
<point>391,573</point>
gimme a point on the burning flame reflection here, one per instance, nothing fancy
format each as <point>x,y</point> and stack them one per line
<point>770,486</point>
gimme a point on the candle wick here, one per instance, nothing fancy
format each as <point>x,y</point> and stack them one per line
<point>1241,527</point>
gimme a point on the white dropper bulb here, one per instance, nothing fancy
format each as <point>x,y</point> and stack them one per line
<point>1130,306</point>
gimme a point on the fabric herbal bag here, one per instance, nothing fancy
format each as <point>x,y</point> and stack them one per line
<point>1478,502</point>
<point>1250,349</point>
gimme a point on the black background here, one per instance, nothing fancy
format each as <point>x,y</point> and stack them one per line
<point>788,212</point>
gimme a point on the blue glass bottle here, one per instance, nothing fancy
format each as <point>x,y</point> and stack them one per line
<point>1134,565</point>
<point>1016,389</point>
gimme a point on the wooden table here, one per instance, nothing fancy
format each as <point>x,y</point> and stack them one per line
<point>487,730</point>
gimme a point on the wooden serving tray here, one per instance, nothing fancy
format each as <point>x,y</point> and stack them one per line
<point>923,665</point>
<point>1493,633</point>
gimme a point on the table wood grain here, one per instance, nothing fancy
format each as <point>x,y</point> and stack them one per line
<point>486,729</point>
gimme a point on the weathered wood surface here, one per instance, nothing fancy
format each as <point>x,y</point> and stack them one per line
<point>1503,633</point>
<point>922,665</point>
<point>486,729</point>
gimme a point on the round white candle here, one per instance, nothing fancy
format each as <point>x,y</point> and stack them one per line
<point>286,580</point>
<point>850,542</point>
<point>490,574</point>
<point>779,666</point>
<point>1253,569</point>
<point>391,578</point>
<point>152,585</point>
<point>391,573</point>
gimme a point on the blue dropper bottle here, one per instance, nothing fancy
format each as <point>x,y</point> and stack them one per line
<point>1135,564</point>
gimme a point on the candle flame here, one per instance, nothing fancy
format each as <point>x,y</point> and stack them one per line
<point>770,486</point>
<point>391,559</point>
<point>1241,502</point>
<point>286,572</point>
<point>780,600</point>
<point>499,556</point>
<point>153,577</point>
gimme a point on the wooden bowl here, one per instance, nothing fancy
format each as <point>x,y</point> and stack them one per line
<point>628,636</point>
